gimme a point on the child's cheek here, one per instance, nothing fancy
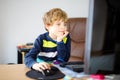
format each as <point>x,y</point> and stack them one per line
<point>53,30</point>
<point>66,28</point>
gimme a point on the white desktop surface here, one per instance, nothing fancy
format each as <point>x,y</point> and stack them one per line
<point>71,73</point>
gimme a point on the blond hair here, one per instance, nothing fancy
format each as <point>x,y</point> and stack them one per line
<point>53,15</point>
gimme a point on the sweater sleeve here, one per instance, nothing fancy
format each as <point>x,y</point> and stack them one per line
<point>30,57</point>
<point>63,50</point>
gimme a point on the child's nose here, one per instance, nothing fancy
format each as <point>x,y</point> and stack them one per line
<point>63,26</point>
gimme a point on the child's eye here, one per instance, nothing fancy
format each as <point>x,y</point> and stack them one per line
<point>58,24</point>
<point>65,24</point>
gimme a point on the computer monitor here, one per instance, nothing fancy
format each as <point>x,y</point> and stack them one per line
<point>104,39</point>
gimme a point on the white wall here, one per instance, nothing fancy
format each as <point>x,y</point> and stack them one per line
<point>21,22</point>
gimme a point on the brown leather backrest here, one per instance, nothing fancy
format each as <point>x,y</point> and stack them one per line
<point>77,28</point>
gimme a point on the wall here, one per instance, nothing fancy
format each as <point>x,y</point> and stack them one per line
<point>21,22</point>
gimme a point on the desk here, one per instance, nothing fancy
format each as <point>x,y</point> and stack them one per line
<point>17,72</point>
<point>13,72</point>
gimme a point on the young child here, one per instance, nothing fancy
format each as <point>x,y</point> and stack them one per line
<point>52,46</point>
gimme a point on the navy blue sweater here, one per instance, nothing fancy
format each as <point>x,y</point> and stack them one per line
<point>44,43</point>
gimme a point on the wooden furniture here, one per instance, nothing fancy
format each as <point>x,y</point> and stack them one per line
<point>17,72</point>
<point>22,50</point>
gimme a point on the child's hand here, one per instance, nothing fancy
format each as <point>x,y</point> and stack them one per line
<point>41,66</point>
<point>61,36</point>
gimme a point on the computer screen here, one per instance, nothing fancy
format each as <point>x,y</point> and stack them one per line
<point>105,45</point>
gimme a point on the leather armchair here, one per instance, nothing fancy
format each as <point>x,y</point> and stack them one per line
<point>77,29</point>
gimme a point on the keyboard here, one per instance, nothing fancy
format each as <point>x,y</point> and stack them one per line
<point>76,66</point>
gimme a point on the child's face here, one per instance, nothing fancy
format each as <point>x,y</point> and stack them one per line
<point>58,28</point>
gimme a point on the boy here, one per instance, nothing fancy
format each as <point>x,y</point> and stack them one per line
<point>52,46</point>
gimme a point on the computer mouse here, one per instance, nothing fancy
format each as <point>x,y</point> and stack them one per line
<point>49,72</point>
<point>53,74</point>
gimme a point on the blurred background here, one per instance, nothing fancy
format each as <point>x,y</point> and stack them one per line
<point>21,22</point>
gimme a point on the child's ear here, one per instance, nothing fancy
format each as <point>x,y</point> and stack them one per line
<point>47,26</point>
